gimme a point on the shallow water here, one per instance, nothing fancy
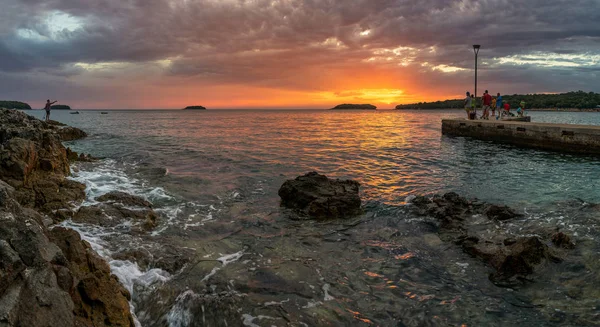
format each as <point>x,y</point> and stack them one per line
<point>219,201</point>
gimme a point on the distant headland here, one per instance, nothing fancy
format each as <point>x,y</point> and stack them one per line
<point>194,108</point>
<point>349,106</point>
<point>14,105</point>
<point>570,101</point>
<point>60,107</point>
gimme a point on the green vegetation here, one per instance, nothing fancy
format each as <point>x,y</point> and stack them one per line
<point>60,107</point>
<point>14,105</point>
<point>194,108</point>
<point>575,100</point>
<point>355,106</point>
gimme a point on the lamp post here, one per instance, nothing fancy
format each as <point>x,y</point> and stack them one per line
<point>476,50</point>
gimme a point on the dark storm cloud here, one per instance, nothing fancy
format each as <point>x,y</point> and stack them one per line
<point>271,41</point>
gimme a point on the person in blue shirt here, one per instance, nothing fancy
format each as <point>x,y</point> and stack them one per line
<point>499,105</point>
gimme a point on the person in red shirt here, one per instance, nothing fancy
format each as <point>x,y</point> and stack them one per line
<point>506,109</point>
<point>487,102</point>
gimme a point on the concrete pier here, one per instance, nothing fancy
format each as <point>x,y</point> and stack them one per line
<point>557,137</point>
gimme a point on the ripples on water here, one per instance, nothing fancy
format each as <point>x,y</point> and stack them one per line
<point>224,170</point>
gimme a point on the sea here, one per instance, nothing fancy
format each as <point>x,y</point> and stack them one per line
<point>213,178</point>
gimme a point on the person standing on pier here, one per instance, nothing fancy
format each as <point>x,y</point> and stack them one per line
<point>499,105</point>
<point>494,107</point>
<point>487,102</point>
<point>468,105</point>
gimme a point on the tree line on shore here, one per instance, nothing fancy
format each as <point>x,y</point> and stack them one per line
<point>25,106</point>
<point>14,105</point>
<point>579,100</point>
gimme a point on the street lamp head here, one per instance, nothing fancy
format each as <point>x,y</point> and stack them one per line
<point>476,48</point>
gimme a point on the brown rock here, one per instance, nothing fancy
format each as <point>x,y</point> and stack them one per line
<point>98,297</point>
<point>110,215</point>
<point>501,213</point>
<point>125,199</point>
<point>563,240</point>
<point>317,196</point>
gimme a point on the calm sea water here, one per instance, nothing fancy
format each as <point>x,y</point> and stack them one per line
<point>223,172</point>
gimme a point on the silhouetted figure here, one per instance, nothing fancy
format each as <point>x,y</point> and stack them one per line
<point>468,105</point>
<point>47,108</point>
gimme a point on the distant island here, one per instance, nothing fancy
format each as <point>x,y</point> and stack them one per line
<point>194,108</point>
<point>347,106</point>
<point>60,107</point>
<point>14,105</point>
<point>569,100</point>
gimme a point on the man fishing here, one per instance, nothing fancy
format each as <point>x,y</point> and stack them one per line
<point>47,108</point>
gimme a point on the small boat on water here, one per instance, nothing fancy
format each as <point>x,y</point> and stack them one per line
<point>74,113</point>
<point>104,113</point>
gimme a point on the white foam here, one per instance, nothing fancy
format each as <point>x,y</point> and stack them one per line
<point>224,260</point>
<point>268,304</point>
<point>248,320</point>
<point>227,259</point>
<point>327,297</point>
<point>312,304</point>
<point>180,315</point>
<point>130,274</point>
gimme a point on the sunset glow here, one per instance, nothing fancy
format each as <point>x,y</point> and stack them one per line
<point>287,53</point>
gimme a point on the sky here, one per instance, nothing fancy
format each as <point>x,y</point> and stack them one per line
<point>134,54</point>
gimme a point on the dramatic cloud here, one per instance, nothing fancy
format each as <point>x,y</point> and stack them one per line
<point>290,53</point>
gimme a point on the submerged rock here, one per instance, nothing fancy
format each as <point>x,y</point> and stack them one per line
<point>111,215</point>
<point>512,257</point>
<point>125,199</point>
<point>319,197</point>
<point>562,240</point>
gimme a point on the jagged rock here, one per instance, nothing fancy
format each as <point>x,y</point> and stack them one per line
<point>317,196</point>
<point>501,212</point>
<point>562,240</point>
<point>165,257</point>
<point>511,257</point>
<point>34,162</point>
<point>125,199</point>
<point>69,133</point>
<point>56,280</point>
<point>29,291</point>
<point>98,297</point>
<point>110,215</point>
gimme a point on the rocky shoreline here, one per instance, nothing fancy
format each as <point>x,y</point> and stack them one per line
<point>325,257</point>
<point>48,275</point>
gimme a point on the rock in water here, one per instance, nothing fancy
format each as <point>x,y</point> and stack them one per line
<point>125,199</point>
<point>319,197</point>
<point>512,257</point>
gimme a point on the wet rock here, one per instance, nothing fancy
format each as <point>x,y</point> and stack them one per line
<point>466,223</point>
<point>563,240</point>
<point>51,194</point>
<point>319,197</point>
<point>521,258</point>
<point>125,199</point>
<point>68,133</point>
<point>501,213</point>
<point>6,191</point>
<point>98,297</point>
<point>110,215</point>
<point>165,257</point>
<point>47,278</point>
